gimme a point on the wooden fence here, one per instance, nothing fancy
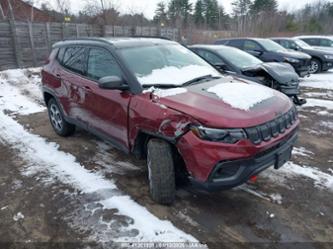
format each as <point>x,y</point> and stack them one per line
<point>25,44</point>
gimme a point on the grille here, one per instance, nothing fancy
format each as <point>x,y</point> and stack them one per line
<point>271,129</point>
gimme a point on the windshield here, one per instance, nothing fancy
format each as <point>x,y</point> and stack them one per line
<point>166,64</point>
<point>270,45</point>
<point>302,44</point>
<point>238,58</point>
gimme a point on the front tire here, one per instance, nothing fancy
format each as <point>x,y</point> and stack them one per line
<point>315,66</point>
<point>58,122</point>
<point>161,171</point>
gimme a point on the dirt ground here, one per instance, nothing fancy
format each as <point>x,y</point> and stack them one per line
<point>288,211</point>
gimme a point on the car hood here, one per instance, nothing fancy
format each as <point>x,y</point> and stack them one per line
<point>295,54</point>
<point>212,111</point>
<point>283,73</point>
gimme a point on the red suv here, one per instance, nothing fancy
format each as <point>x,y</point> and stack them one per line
<point>159,100</point>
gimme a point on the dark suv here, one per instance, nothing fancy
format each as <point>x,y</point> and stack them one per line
<point>321,60</point>
<point>269,51</point>
<point>159,100</point>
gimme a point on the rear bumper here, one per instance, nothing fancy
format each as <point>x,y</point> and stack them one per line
<point>240,171</point>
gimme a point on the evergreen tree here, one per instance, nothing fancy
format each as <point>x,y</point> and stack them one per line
<point>199,10</point>
<point>179,11</point>
<point>241,7</point>
<point>264,6</point>
<point>211,13</point>
<point>160,13</point>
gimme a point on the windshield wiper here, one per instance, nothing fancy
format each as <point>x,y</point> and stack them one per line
<point>199,79</point>
<point>160,85</point>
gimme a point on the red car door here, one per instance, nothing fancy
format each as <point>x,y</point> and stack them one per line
<point>106,110</point>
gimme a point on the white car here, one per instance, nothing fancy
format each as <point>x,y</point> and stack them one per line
<point>320,42</point>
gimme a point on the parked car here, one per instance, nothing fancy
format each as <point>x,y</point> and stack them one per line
<point>160,101</point>
<point>269,51</point>
<point>321,60</point>
<point>320,42</point>
<point>233,61</point>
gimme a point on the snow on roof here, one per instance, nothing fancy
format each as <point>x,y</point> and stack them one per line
<point>241,95</point>
<point>175,75</point>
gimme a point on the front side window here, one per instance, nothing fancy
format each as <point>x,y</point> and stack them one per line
<point>75,59</point>
<point>312,41</point>
<point>101,64</point>
<point>210,57</point>
<point>165,64</point>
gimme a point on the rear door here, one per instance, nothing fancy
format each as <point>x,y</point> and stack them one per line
<point>107,110</point>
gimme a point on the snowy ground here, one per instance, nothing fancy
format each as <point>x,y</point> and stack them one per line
<point>81,190</point>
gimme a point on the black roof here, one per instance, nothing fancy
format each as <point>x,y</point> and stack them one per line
<point>118,42</point>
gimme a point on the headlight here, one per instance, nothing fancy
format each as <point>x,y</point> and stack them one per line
<point>229,136</point>
<point>291,60</point>
<point>328,56</point>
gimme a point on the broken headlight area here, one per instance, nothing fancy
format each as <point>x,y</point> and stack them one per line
<point>229,136</point>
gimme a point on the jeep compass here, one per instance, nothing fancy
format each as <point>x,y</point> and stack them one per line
<point>160,101</point>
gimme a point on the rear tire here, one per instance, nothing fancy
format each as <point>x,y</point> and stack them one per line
<point>315,66</point>
<point>57,120</point>
<point>162,183</point>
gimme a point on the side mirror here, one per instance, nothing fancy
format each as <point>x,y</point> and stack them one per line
<point>221,66</point>
<point>112,82</point>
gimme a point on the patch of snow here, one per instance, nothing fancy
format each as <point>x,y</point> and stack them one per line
<point>328,104</point>
<point>301,151</point>
<point>290,169</point>
<point>18,216</point>
<point>13,100</point>
<point>276,198</point>
<point>162,93</point>
<point>4,208</point>
<point>176,75</point>
<point>241,95</point>
<point>27,81</point>
<point>44,156</point>
<point>165,92</point>
<point>187,219</point>
<point>323,81</point>
<point>330,170</point>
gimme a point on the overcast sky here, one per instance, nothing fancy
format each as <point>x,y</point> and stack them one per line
<point>148,6</point>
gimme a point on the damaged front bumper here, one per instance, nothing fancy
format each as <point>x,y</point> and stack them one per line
<point>229,174</point>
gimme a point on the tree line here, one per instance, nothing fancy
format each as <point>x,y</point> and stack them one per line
<point>248,17</point>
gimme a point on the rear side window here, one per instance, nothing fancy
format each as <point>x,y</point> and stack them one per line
<point>75,59</point>
<point>101,64</point>
<point>236,43</point>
